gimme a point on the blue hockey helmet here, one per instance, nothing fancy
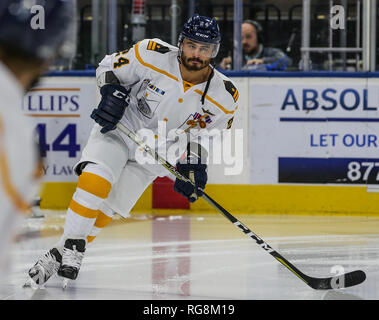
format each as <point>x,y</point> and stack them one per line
<point>40,29</point>
<point>202,29</point>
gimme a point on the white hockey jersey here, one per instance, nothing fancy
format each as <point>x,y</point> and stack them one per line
<point>18,158</point>
<point>160,98</point>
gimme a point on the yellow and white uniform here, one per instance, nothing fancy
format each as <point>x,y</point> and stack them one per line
<point>18,160</point>
<point>159,96</point>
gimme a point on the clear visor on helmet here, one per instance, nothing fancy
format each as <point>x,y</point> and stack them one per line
<point>205,49</point>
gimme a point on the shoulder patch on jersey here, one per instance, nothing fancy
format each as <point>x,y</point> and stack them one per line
<point>155,46</point>
<point>231,89</point>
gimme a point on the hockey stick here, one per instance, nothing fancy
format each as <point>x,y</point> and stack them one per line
<point>340,281</point>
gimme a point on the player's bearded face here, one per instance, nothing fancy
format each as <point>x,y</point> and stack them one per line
<point>196,56</point>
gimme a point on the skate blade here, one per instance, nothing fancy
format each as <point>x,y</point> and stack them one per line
<point>64,283</point>
<point>28,283</point>
<point>31,284</point>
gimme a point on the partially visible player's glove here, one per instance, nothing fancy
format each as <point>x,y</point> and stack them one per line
<point>198,174</point>
<point>114,100</point>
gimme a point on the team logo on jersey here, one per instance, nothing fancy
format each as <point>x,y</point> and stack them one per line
<point>144,108</point>
<point>207,111</point>
<point>149,97</point>
<point>196,120</point>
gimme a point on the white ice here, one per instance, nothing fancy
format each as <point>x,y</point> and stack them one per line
<point>203,256</point>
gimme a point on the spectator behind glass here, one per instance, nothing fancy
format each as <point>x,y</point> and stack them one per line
<point>255,55</point>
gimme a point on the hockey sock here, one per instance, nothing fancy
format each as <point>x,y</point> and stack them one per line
<point>94,185</point>
<point>103,218</point>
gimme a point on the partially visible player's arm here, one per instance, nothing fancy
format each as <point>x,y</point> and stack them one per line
<point>115,76</point>
<point>123,68</point>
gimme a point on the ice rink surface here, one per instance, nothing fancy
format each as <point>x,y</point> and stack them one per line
<point>181,256</point>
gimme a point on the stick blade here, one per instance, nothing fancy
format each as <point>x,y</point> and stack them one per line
<point>354,278</point>
<point>346,280</point>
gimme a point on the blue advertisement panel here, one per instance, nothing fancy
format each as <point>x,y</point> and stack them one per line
<point>314,131</point>
<point>60,110</point>
<point>329,170</point>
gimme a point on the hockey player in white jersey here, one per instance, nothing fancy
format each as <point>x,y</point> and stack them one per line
<point>150,85</point>
<point>25,54</point>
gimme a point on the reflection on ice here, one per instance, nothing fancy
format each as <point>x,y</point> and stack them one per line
<point>201,256</point>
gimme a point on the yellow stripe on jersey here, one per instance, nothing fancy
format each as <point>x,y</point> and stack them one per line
<point>214,102</point>
<point>6,180</point>
<point>235,96</point>
<point>176,79</point>
<point>94,184</point>
<point>157,47</point>
<point>82,210</point>
<point>151,66</point>
<point>187,85</point>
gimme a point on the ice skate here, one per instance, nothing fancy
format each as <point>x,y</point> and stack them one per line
<point>44,268</point>
<point>36,209</point>
<point>73,253</point>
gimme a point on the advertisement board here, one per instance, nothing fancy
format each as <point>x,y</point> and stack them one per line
<point>314,131</point>
<point>60,109</point>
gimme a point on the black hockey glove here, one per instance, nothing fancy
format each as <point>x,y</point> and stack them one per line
<point>114,100</point>
<point>198,174</point>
